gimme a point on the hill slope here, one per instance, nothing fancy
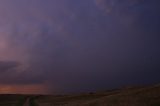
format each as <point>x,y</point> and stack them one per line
<point>137,96</point>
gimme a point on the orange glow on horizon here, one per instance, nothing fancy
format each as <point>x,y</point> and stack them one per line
<point>23,89</point>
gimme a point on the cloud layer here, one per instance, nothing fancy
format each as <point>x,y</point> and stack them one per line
<point>74,46</point>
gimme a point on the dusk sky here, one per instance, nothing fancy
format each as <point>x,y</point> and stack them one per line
<point>66,46</point>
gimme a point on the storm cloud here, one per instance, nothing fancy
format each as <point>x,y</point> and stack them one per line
<point>7,65</point>
<point>79,45</point>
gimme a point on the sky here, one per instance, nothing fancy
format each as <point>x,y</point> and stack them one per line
<point>73,46</point>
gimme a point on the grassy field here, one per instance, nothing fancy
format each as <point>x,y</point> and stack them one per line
<point>136,96</point>
<point>12,100</point>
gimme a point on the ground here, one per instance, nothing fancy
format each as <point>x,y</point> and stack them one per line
<point>129,96</point>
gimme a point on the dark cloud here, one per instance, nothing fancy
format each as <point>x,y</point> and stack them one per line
<point>77,45</point>
<point>8,66</point>
<point>11,73</point>
<point>8,69</point>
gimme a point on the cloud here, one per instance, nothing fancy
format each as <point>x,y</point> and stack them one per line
<point>109,6</point>
<point>11,73</point>
<point>23,89</point>
<point>8,65</point>
<point>71,44</point>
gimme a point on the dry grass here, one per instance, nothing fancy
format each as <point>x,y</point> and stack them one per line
<point>136,96</point>
<point>11,100</point>
<point>140,96</point>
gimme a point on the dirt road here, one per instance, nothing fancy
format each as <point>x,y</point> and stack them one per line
<point>27,102</point>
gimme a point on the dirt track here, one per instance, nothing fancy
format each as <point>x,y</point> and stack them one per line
<point>27,102</point>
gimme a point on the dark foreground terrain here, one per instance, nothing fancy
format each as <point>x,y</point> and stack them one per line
<point>133,96</point>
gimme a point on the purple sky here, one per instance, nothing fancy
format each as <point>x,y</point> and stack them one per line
<point>79,45</point>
